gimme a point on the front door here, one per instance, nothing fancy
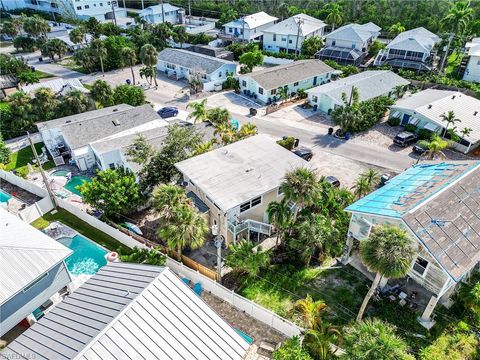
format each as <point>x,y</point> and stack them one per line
<point>82,164</point>
<point>314,81</point>
<point>405,119</point>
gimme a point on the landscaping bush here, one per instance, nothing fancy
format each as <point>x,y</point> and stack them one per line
<point>287,143</point>
<point>411,128</point>
<point>394,121</point>
<point>346,70</point>
<point>231,83</point>
<point>425,134</point>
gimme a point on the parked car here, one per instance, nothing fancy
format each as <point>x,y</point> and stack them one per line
<point>405,138</point>
<point>420,147</point>
<point>167,112</point>
<point>333,180</point>
<point>304,153</point>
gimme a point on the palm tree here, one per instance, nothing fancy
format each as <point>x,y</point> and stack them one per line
<point>180,35</point>
<point>75,102</point>
<point>348,115</point>
<point>199,112</point>
<point>280,216</point>
<point>282,93</point>
<point>458,17</point>
<point>435,147</point>
<point>45,103</point>
<point>204,147</point>
<point>166,199</point>
<point>77,35</point>
<point>129,58</point>
<point>372,176</point>
<point>218,115</point>
<point>396,28</point>
<point>324,342</point>
<point>247,130</point>
<point>143,256</point>
<point>148,73</point>
<point>389,252</point>
<point>283,10</point>
<point>450,119</point>
<point>465,132</point>
<point>335,14</point>
<point>399,91</point>
<point>300,186</point>
<point>226,132</point>
<point>361,187</point>
<point>310,311</point>
<point>149,57</point>
<point>242,258</point>
<point>101,51</point>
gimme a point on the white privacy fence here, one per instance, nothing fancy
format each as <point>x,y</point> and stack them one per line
<point>256,311</point>
<point>36,210</point>
<point>22,183</point>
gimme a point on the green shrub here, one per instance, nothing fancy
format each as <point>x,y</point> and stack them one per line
<point>424,144</point>
<point>394,121</point>
<point>287,143</point>
<point>411,128</point>
<point>231,83</point>
<point>425,134</point>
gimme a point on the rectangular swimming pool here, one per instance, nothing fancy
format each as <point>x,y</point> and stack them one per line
<point>4,197</point>
<point>87,257</point>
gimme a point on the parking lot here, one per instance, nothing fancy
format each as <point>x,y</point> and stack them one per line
<point>236,104</point>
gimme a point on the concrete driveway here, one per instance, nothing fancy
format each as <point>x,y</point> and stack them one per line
<point>235,103</point>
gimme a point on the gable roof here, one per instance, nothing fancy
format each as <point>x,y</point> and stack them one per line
<point>354,32</point>
<point>440,203</point>
<point>82,129</point>
<point>238,172</point>
<point>370,84</point>
<point>25,254</point>
<point>432,104</point>
<point>290,26</point>
<point>274,77</point>
<point>252,21</point>
<point>157,9</point>
<point>418,39</point>
<point>130,311</point>
<point>191,60</point>
<point>56,85</point>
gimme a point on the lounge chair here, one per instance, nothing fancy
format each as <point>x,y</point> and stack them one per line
<point>197,288</point>
<point>186,281</point>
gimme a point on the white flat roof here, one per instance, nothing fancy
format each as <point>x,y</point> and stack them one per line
<point>240,171</point>
<point>25,254</point>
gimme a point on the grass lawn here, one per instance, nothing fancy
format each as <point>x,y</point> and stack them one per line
<point>20,159</point>
<point>452,63</point>
<point>69,63</point>
<point>79,225</point>
<point>43,75</point>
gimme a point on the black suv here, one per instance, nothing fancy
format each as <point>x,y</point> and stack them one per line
<point>420,147</point>
<point>304,153</point>
<point>405,138</point>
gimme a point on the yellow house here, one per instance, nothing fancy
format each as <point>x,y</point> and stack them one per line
<point>237,182</point>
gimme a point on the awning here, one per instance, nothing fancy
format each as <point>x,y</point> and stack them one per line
<point>395,114</point>
<point>414,121</point>
<point>431,127</point>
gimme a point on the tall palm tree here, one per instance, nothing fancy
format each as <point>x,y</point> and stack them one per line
<point>283,10</point>
<point>149,57</point>
<point>396,28</point>
<point>101,51</point>
<point>389,252</point>
<point>310,311</point>
<point>335,15</point>
<point>246,130</point>
<point>435,148</point>
<point>458,17</point>
<point>148,73</point>
<point>77,35</point>
<point>450,119</point>
<point>300,186</point>
<point>129,58</point>
<point>218,115</point>
<point>242,258</point>
<point>372,176</point>
<point>280,216</point>
<point>361,187</point>
<point>166,199</point>
<point>199,112</point>
<point>180,35</point>
<point>399,91</point>
<point>75,102</point>
<point>324,342</point>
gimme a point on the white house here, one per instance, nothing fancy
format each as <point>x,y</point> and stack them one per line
<point>263,85</point>
<point>289,34</point>
<point>472,71</point>
<point>411,49</point>
<point>75,136</point>
<point>131,311</point>
<point>181,64</point>
<point>32,270</point>
<point>250,27</point>
<point>425,109</point>
<point>235,183</point>
<point>163,13</point>
<point>352,37</point>
<point>437,204</point>
<point>370,84</point>
<point>82,9</point>
<point>58,86</point>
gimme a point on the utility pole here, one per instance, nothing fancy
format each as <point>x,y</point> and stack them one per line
<point>44,177</point>
<point>218,244</point>
<point>143,5</point>
<point>300,23</point>
<point>114,3</point>
<point>163,12</point>
<point>446,49</point>
<point>189,8</point>
<point>243,28</point>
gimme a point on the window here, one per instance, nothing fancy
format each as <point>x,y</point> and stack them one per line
<point>87,6</point>
<point>244,83</point>
<point>295,83</point>
<point>420,266</point>
<point>290,41</point>
<point>274,37</point>
<point>79,8</point>
<point>230,30</point>
<point>111,166</point>
<point>273,91</point>
<point>35,282</point>
<point>220,74</point>
<point>478,62</point>
<point>170,66</point>
<point>260,90</point>
<point>284,38</point>
<point>314,98</point>
<point>101,4</point>
<point>279,191</point>
<point>250,204</point>
<point>333,43</point>
<point>353,46</point>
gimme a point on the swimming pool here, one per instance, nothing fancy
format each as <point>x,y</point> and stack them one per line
<point>87,257</point>
<point>245,337</point>
<point>4,197</point>
<point>60,173</point>
<point>76,181</point>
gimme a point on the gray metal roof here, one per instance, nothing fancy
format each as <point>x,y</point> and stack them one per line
<point>56,85</point>
<point>290,26</point>
<point>370,84</point>
<point>272,78</point>
<point>353,32</point>
<point>191,60</point>
<point>130,311</point>
<point>418,39</point>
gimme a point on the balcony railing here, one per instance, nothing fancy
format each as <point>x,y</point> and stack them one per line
<point>250,225</point>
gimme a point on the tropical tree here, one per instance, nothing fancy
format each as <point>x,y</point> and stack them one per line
<point>218,115</point>
<point>129,57</point>
<point>348,115</point>
<point>10,29</point>
<point>335,14</point>
<point>129,94</point>
<point>251,59</point>
<point>180,35</point>
<point>283,93</point>
<point>45,103</point>
<point>323,342</point>
<point>101,51</point>
<point>292,349</point>
<point>309,311</point>
<point>226,132</point>
<point>149,58</point>
<point>4,152</point>
<point>199,112</point>
<point>396,28</point>
<point>469,296</point>
<point>280,216</point>
<point>77,35</point>
<point>465,132</point>
<point>300,186</point>
<point>93,27</point>
<point>25,43</point>
<point>458,17</point>
<point>143,256</point>
<point>21,110</point>
<point>246,130</point>
<point>166,200</point>
<point>283,10</point>
<point>28,77</point>
<point>435,147</point>
<point>242,258</point>
<point>312,45</point>
<point>74,102</point>
<point>35,26</point>
<point>148,73</point>
<point>141,151</point>
<point>159,35</point>
<point>389,252</point>
<point>373,339</point>
<point>102,92</point>
<point>450,119</point>
<point>366,182</point>
<point>204,147</point>
<point>112,191</point>
<point>399,91</point>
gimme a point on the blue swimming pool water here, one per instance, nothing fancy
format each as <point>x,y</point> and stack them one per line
<point>87,257</point>
<point>59,173</point>
<point>4,197</point>
<point>245,337</point>
<point>76,181</point>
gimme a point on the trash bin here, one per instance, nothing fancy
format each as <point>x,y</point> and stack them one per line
<point>347,136</point>
<point>330,131</point>
<point>40,59</point>
<point>297,141</point>
<point>32,68</point>
<point>253,111</point>
<point>315,107</point>
<point>128,81</point>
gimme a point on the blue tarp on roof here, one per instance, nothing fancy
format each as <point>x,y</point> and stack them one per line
<point>411,188</point>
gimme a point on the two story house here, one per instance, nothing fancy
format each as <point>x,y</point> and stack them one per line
<point>289,34</point>
<point>237,182</point>
<point>249,28</point>
<point>438,205</point>
<point>348,45</point>
<point>472,71</point>
<point>162,13</point>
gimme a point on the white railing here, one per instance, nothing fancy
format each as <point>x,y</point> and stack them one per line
<point>251,225</point>
<point>256,311</point>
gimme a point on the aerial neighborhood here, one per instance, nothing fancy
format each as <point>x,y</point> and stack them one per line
<point>240,180</point>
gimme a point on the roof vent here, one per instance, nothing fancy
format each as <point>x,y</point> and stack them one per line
<point>453,97</point>
<point>248,170</point>
<point>116,122</point>
<point>430,106</point>
<point>68,121</point>
<point>475,113</point>
<point>115,110</point>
